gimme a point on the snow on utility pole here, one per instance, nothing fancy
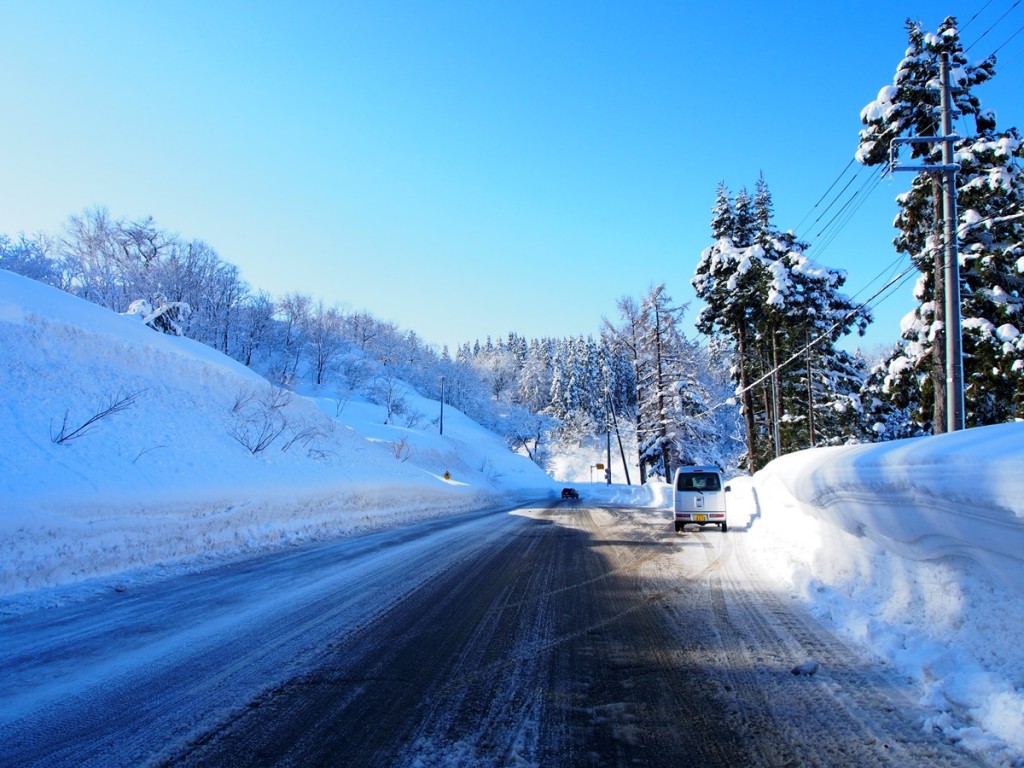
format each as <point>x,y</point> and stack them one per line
<point>951,272</point>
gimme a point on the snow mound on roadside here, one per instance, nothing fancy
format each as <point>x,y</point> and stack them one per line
<point>914,549</point>
<point>654,494</point>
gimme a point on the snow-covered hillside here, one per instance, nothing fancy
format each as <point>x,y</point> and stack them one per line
<point>175,472</point>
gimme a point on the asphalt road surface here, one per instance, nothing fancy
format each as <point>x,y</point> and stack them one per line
<point>562,635</point>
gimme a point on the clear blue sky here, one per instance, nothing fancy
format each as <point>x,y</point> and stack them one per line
<point>463,168</point>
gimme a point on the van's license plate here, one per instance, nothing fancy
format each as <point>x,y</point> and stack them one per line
<point>700,518</point>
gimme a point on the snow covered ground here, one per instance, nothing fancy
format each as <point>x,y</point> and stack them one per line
<point>170,478</point>
<point>912,548</point>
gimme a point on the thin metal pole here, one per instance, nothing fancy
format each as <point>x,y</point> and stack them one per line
<point>954,346</point>
<point>441,425</point>
<point>618,436</point>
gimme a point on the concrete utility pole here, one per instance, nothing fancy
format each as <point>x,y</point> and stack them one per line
<point>948,169</point>
<point>954,350</point>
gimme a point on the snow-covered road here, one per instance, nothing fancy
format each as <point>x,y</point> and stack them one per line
<point>129,677</point>
<point>573,634</point>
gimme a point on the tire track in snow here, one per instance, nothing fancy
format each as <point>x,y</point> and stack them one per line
<point>744,641</point>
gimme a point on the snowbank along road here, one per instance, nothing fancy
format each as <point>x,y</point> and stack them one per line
<point>553,635</point>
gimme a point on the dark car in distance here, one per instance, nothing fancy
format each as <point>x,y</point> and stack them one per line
<point>570,493</point>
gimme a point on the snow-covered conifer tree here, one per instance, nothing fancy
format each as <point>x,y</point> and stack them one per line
<point>774,304</point>
<point>911,107</point>
<point>723,214</point>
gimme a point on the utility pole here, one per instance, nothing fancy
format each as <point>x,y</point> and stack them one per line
<point>618,437</point>
<point>440,430</point>
<point>810,392</point>
<point>776,433</point>
<point>951,271</point>
<point>776,408</point>
<point>954,340</point>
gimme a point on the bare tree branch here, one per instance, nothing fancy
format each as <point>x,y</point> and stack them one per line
<point>118,403</point>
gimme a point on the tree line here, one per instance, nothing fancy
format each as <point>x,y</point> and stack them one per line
<point>639,377</point>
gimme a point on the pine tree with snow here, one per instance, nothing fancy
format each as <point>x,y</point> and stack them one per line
<point>890,398</point>
<point>818,392</point>
<point>535,376</point>
<point>784,313</point>
<point>989,192</point>
<point>723,214</point>
<point>745,224</point>
<point>911,105</point>
<point>729,278</point>
<point>763,212</point>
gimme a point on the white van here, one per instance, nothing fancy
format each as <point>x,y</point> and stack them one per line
<point>699,498</point>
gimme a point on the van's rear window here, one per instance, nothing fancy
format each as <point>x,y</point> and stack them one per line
<point>702,482</point>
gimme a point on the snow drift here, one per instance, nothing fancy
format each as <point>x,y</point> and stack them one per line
<point>914,548</point>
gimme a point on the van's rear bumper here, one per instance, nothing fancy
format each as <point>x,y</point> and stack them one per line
<point>701,517</point>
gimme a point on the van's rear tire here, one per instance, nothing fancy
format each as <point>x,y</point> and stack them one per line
<point>679,527</point>
<point>725,527</point>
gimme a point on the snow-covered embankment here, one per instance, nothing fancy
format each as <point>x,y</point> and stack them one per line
<point>915,548</point>
<point>123,448</point>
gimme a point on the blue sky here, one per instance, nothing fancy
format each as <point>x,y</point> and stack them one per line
<point>464,168</point>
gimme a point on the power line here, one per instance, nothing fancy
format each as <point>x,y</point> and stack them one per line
<point>832,236</point>
<point>892,266</point>
<point>993,26</point>
<point>875,177</point>
<point>896,282</point>
<point>841,192</point>
<point>1019,30</point>
<point>830,188</point>
<point>969,21</point>
<point>1012,59</point>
